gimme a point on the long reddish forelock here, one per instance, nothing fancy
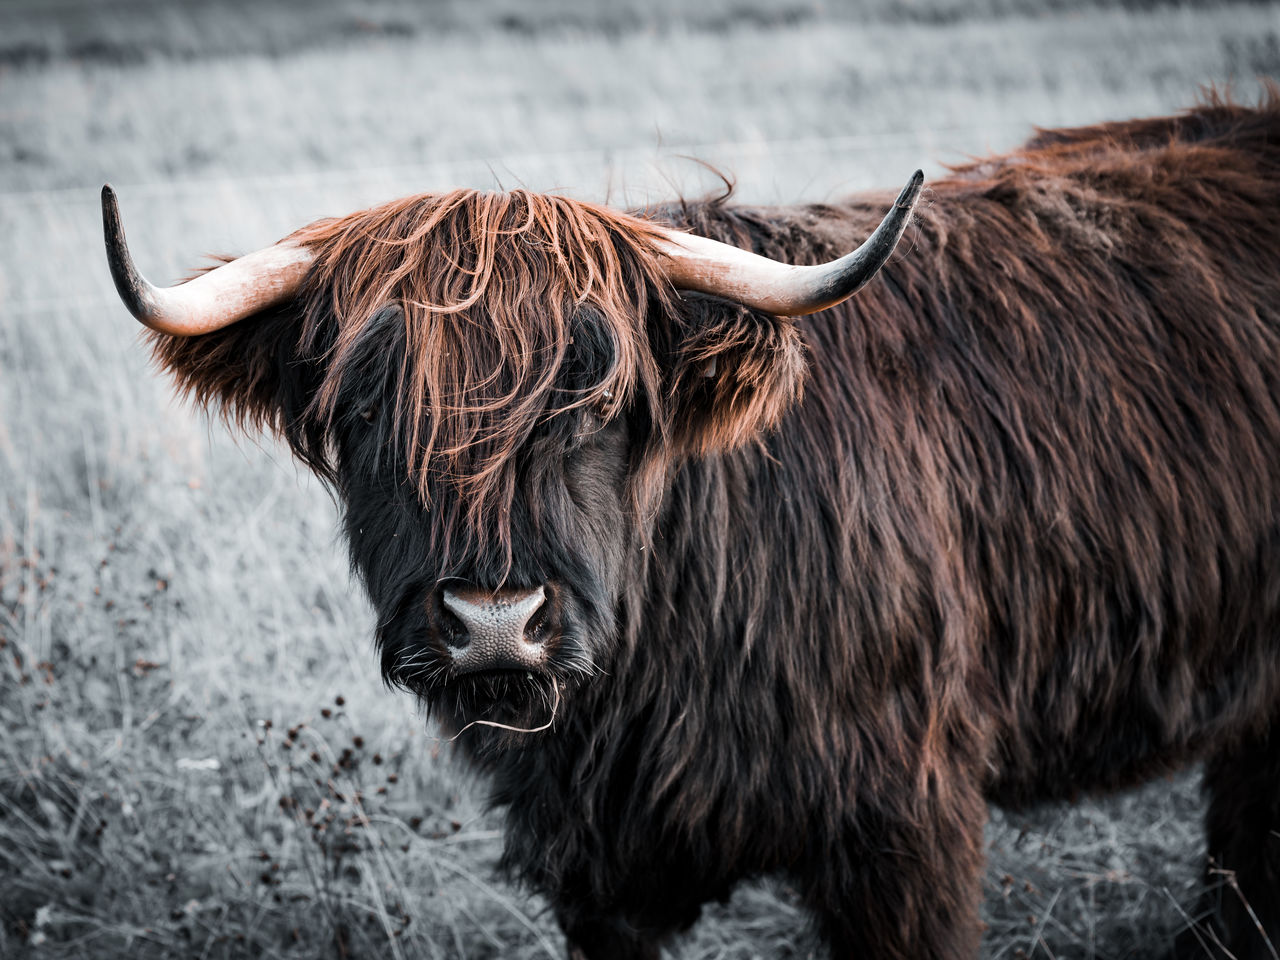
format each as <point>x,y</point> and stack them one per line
<point>489,284</point>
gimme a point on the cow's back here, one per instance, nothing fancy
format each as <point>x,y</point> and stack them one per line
<point>1071,377</point>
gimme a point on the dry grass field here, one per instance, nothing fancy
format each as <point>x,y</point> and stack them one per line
<point>197,758</point>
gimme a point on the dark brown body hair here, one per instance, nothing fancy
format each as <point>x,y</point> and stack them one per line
<point>1017,541</point>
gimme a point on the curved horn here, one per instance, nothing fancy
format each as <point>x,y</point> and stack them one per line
<point>709,266</point>
<point>210,301</point>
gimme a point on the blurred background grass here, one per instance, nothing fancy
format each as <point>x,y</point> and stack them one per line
<point>196,754</point>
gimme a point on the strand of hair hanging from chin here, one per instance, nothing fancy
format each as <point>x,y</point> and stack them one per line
<point>555,709</point>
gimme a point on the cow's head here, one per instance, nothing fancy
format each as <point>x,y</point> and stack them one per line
<point>497,386</point>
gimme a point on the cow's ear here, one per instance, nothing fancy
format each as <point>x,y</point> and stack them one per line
<point>733,373</point>
<point>248,372</point>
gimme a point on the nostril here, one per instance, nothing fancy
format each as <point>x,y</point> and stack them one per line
<point>533,627</point>
<point>454,629</point>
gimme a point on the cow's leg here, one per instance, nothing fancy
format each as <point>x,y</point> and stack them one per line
<point>646,912</point>
<point>1242,830</point>
<point>603,938</point>
<point>903,891</point>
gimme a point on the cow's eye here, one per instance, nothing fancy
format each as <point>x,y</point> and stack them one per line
<point>590,422</point>
<point>369,414</point>
<point>603,409</point>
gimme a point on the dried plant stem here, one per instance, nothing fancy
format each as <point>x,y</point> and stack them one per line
<point>555,708</point>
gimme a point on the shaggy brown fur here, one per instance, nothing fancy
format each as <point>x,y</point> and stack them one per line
<point>1019,540</point>
<point>489,284</point>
